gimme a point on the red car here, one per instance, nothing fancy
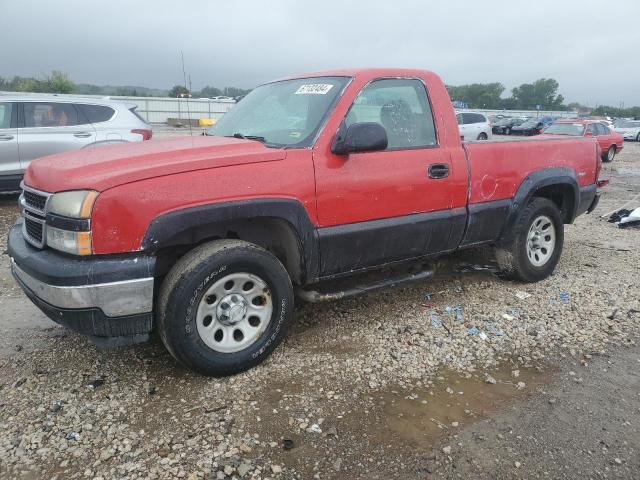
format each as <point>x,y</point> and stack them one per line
<point>205,239</point>
<point>610,142</point>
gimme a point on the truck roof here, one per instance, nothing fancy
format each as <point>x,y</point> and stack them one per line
<point>365,73</point>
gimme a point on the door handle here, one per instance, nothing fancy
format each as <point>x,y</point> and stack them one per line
<point>6,137</point>
<point>438,170</point>
<point>82,134</point>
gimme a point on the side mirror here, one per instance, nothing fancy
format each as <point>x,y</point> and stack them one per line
<point>360,137</point>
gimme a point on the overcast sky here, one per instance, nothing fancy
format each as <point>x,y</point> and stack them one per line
<point>590,46</point>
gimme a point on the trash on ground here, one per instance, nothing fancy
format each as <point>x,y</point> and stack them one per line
<point>564,296</point>
<point>520,295</point>
<point>72,436</point>
<point>507,317</point>
<point>626,218</point>
<point>483,336</point>
<point>472,267</point>
<point>491,328</point>
<point>473,331</point>
<point>436,322</point>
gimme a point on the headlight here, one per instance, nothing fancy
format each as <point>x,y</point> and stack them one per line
<point>76,243</point>
<point>68,221</point>
<point>76,204</point>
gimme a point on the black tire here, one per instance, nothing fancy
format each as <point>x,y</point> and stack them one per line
<point>482,136</point>
<point>609,155</point>
<point>186,284</point>
<point>638,137</point>
<point>507,131</point>
<point>512,257</point>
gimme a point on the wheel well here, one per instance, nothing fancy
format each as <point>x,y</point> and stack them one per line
<point>563,196</point>
<point>273,234</point>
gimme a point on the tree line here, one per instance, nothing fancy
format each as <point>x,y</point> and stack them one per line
<point>542,93</point>
<point>59,82</point>
<point>208,92</point>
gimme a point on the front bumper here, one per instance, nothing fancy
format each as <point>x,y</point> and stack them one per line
<point>107,297</point>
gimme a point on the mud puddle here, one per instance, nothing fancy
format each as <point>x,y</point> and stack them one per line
<point>408,424</point>
<point>454,402</point>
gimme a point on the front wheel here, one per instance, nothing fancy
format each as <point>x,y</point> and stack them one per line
<point>610,154</point>
<point>536,244</point>
<point>224,307</point>
<point>482,136</point>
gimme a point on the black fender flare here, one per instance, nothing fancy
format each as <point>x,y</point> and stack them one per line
<point>171,228</point>
<point>535,181</point>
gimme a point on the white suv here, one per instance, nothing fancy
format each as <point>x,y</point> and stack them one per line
<point>473,126</point>
<point>33,126</point>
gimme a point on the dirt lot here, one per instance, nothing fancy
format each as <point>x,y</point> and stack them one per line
<point>396,384</point>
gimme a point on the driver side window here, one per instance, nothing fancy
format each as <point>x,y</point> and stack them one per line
<point>401,107</point>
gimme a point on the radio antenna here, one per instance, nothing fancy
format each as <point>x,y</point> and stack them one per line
<point>184,75</point>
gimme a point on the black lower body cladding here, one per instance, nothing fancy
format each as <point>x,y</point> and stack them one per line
<point>109,298</point>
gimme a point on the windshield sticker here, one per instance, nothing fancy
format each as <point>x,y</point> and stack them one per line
<point>314,89</point>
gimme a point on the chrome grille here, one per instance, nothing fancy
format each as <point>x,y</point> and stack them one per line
<point>34,206</point>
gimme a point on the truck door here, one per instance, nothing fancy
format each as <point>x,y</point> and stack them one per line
<point>377,207</point>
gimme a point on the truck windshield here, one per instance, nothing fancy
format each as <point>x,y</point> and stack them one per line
<point>288,113</point>
<point>574,129</point>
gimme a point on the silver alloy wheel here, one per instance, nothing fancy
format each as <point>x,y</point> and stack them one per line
<point>234,312</point>
<point>541,240</point>
<point>611,153</point>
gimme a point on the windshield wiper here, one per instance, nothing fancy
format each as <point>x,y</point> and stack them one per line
<point>249,137</point>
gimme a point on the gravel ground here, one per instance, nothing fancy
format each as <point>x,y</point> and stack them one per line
<point>390,385</point>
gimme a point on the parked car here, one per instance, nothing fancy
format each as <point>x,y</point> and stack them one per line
<point>610,141</point>
<point>224,99</point>
<point>546,121</point>
<point>504,126</point>
<point>35,126</point>
<point>205,238</point>
<point>532,126</point>
<point>474,126</point>
<point>629,129</point>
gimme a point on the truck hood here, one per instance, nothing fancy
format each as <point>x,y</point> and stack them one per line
<point>101,168</point>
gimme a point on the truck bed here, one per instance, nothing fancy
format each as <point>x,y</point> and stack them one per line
<point>500,171</point>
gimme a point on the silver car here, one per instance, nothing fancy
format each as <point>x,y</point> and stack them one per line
<point>629,129</point>
<point>33,126</point>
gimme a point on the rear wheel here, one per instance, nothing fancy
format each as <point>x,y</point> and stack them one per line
<point>535,248</point>
<point>224,307</point>
<point>638,137</point>
<point>482,136</point>
<point>610,154</point>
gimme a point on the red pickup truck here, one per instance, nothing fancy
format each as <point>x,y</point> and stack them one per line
<point>308,178</point>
